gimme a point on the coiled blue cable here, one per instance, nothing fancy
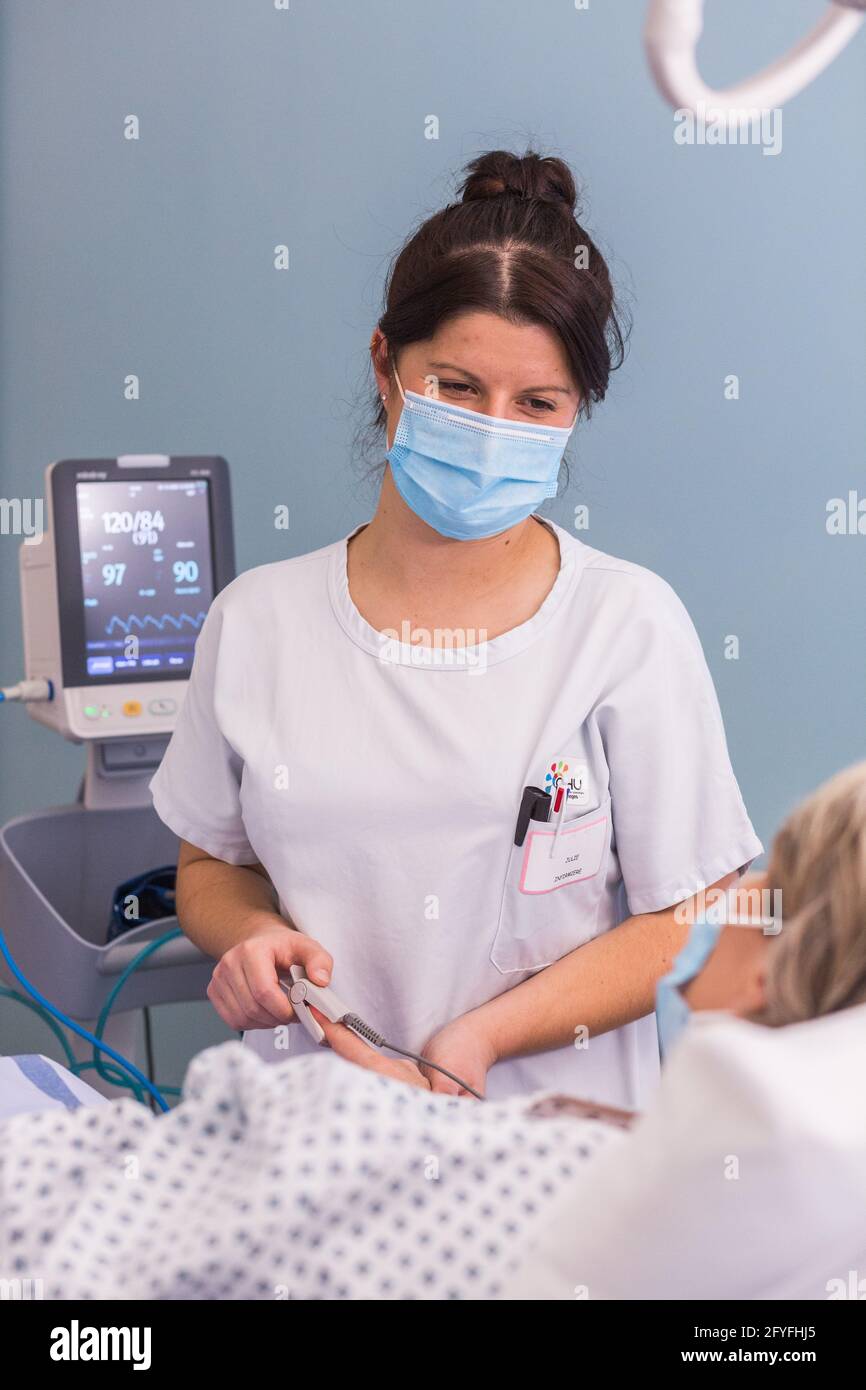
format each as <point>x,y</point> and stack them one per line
<point>147,950</point>
<point>84,1033</point>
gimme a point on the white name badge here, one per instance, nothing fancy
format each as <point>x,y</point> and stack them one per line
<point>577,855</point>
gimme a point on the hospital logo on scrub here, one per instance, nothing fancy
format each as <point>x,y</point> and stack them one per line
<point>568,772</point>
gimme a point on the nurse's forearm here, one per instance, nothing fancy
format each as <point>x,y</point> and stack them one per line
<point>219,905</point>
<point>602,985</point>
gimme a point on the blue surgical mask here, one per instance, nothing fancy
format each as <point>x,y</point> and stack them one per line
<point>672,1011</point>
<point>470,475</point>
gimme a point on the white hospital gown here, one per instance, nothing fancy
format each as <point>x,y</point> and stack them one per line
<point>311,1180</point>
<point>745,1179</point>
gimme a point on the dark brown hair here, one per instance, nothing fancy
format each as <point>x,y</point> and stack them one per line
<point>512,246</point>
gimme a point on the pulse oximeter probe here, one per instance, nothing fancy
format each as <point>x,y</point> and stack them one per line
<point>302,993</point>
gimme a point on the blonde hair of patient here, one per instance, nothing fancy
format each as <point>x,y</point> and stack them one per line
<point>817,963</point>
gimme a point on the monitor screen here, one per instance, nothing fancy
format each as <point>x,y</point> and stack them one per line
<point>146,575</point>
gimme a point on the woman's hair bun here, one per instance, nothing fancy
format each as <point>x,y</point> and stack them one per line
<point>499,173</point>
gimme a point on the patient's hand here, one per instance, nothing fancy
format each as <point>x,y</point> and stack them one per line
<point>551,1107</point>
<point>342,1040</point>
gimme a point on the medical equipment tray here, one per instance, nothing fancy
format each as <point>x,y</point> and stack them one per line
<point>58,871</point>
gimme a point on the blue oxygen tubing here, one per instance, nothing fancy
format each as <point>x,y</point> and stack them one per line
<point>50,1012</point>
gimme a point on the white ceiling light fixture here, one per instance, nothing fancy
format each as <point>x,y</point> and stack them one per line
<point>671,34</point>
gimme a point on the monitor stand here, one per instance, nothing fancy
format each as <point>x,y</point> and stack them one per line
<point>119,770</point>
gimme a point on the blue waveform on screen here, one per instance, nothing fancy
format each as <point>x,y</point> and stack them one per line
<point>167,619</point>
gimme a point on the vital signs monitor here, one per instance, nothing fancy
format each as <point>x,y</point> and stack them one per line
<point>114,595</point>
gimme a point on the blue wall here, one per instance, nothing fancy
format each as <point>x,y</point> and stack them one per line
<point>260,127</point>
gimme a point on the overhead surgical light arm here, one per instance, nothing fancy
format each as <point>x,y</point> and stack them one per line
<point>671,34</point>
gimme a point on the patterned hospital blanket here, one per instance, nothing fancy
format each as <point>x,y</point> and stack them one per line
<point>307,1180</point>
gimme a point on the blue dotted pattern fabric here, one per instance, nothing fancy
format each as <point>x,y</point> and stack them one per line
<point>313,1179</point>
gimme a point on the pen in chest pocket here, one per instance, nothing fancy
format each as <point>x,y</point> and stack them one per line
<point>559,805</point>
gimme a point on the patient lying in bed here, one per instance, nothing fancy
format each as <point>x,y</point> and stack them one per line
<point>324,1179</point>
<point>316,1179</point>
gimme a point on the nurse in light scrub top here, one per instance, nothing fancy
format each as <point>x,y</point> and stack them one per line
<point>350,767</point>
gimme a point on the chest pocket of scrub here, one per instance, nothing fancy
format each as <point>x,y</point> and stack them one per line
<point>552,893</point>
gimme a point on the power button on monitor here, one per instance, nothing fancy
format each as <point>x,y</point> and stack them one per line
<point>162,707</point>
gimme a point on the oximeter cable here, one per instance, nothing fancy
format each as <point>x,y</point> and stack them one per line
<point>363,1030</point>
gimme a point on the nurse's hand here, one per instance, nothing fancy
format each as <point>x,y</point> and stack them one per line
<point>350,1046</point>
<point>244,988</point>
<point>464,1049</point>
